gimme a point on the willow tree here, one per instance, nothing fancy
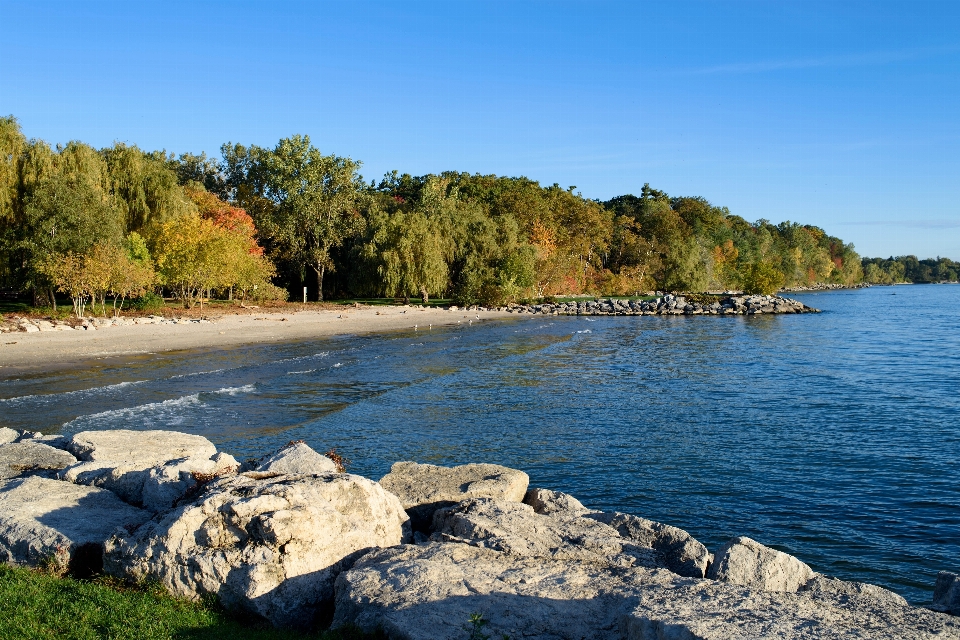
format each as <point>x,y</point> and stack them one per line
<point>408,249</point>
<point>146,189</point>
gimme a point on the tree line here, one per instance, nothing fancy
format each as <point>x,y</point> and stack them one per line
<point>119,222</point>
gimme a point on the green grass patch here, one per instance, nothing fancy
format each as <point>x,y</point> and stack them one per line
<point>39,605</point>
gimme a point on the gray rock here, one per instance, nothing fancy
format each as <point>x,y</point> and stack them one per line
<point>59,525</point>
<point>269,546</point>
<point>8,435</point>
<point>424,488</point>
<point>149,447</point>
<point>946,593</point>
<point>429,593</point>
<point>297,458</point>
<point>148,468</point>
<point>819,585</point>
<point>31,458</point>
<point>164,485</point>
<point>515,528</point>
<point>678,550</point>
<point>554,503</point>
<point>53,440</point>
<point>746,562</point>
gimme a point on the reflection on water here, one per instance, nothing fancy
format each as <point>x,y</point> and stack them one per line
<point>833,436</point>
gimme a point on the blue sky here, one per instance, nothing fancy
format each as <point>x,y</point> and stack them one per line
<point>841,114</point>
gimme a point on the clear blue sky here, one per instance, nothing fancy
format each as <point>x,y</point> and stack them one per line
<point>841,114</point>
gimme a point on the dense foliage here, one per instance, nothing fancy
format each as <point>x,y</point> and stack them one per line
<point>120,222</point>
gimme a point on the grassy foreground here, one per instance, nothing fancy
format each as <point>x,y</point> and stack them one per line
<point>40,605</point>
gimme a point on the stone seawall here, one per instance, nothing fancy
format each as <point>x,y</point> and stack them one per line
<point>670,305</point>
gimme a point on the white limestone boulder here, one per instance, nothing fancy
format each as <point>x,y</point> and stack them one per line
<point>269,546</point>
<point>61,525</point>
<point>429,592</point>
<point>822,585</point>
<point>164,485</point>
<point>515,528</point>
<point>554,503</point>
<point>746,562</point>
<point>145,468</point>
<point>677,550</point>
<point>33,459</point>
<point>424,488</point>
<point>296,458</point>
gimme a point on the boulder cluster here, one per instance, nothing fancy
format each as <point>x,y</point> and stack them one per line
<point>668,305</point>
<point>426,552</point>
<point>17,324</point>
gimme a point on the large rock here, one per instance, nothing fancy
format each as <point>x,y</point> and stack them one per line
<point>150,447</point>
<point>28,458</point>
<point>946,593</point>
<point>429,593</point>
<point>820,585</point>
<point>152,469</point>
<point>52,523</point>
<point>164,485</point>
<point>677,550</point>
<point>8,435</point>
<point>746,562</point>
<point>516,529</point>
<point>270,546</point>
<point>296,458</point>
<point>424,488</point>
<point>554,503</point>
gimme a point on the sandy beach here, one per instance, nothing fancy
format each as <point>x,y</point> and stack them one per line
<point>25,352</point>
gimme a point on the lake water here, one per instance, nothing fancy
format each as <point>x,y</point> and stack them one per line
<point>834,437</point>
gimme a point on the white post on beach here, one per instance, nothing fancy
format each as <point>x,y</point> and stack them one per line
<point>304,295</point>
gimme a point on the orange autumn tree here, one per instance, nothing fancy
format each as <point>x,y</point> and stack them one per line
<point>215,249</point>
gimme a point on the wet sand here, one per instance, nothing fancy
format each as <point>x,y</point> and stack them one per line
<point>30,352</point>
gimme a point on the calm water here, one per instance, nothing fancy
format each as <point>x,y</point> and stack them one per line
<point>834,437</point>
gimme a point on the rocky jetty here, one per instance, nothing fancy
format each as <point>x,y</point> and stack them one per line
<point>293,539</point>
<point>669,305</point>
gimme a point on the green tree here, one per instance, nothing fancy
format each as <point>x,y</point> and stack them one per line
<point>315,200</point>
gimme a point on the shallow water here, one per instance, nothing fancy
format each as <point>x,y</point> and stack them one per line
<point>834,437</point>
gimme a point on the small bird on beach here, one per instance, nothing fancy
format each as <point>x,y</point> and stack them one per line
<point>414,327</point>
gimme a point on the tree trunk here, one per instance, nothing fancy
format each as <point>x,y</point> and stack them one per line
<point>53,299</point>
<point>320,271</point>
<point>424,295</point>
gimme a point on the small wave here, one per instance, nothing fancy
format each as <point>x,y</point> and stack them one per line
<point>140,410</point>
<point>232,391</point>
<point>76,392</point>
<point>585,331</point>
<point>294,373</point>
<point>196,373</point>
<point>337,365</point>
<point>320,354</point>
<point>589,319</point>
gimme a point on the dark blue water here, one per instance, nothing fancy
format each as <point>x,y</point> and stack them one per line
<point>834,437</point>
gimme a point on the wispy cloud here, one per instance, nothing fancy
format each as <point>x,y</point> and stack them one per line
<point>911,224</point>
<point>871,58</point>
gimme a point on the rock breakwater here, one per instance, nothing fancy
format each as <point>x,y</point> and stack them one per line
<point>669,305</point>
<point>292,539</point>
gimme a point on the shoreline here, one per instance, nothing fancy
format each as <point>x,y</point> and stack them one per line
<point>38,351</point>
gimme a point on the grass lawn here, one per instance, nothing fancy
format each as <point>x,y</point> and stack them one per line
<point>39,605</point>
